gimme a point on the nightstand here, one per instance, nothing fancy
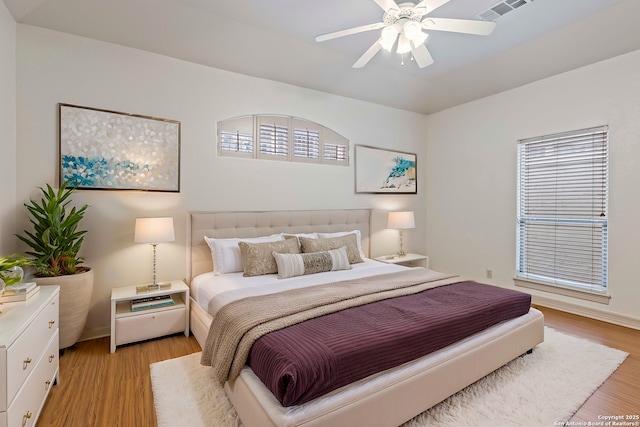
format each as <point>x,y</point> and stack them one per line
<point>409,260</point>
<point>129,325</point>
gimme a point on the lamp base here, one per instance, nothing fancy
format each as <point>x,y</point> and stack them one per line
<point>153,287</point>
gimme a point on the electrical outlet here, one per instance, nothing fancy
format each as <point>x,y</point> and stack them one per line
<point>489,274</point>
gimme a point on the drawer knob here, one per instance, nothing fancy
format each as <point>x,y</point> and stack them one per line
<point>47,384</point>
<point>25,363</point>
<point>26,417</point>
<point>51,323</point>
<point>51,357</point>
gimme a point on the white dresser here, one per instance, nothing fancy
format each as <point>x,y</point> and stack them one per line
<point>28,356</point>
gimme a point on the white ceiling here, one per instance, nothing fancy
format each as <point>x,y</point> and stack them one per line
<point>274,39</point>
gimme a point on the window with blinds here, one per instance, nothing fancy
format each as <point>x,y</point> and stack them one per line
<point>235,137</point>
<point>273,137</point>
<point>281,138</point>
<point>562,209</point>
<point>306,140</point>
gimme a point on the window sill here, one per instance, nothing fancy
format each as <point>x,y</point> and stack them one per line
<point>599,297</point>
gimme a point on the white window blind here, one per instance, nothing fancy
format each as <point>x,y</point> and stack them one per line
<point>306,140</point>
<point>235,137</point>
<point>562,209</point>
<point>273,137</point>
<point>335,148</point>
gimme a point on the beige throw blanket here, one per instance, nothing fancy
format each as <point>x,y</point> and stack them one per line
<point>237,325</point>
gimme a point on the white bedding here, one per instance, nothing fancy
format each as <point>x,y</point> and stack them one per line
<point>212,291</point>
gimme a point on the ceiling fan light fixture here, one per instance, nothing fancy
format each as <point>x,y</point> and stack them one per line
<point>404,45</point>
<point>411,30</point>
<point>420,38</point>
<point>405,23</point>
<point>389,35</point>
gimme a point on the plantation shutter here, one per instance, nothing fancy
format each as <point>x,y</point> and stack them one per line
<point>306,141</point>
<point>335,149</point>
<point>235,137</point>
<point>562,209</point>
<point>273,134</point>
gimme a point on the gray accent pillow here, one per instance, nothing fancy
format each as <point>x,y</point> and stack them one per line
<point>290,265</point>
<point>257,258</point>
<point>321,245</point>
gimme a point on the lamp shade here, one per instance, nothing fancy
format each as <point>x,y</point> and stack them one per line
<point>154,230</point>
<point>401,220</point>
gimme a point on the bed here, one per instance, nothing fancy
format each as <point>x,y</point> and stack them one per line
<point>388,398</point>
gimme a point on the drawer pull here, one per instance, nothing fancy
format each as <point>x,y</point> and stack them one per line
<point>51,323</point>
<point>47,384</point>
<point>25,363</point>
<point>51,357</point>
<point>26,417</point>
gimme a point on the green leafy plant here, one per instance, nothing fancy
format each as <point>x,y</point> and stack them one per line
<point>55,240</point>
<point>8,264</point>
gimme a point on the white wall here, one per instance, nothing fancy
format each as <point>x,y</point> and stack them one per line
<point>7,131</point>
<point>471,175</point>
<point>55,67</point>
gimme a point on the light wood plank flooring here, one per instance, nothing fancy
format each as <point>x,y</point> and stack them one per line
<point>98,388</point>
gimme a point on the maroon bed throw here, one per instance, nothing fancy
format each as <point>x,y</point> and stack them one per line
<point>309,359</point>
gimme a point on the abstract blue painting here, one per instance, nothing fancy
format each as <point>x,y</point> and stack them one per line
<point>101,149</point>
<point>384,171</point>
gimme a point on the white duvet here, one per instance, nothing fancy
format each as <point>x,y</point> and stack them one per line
<point>213,291</point>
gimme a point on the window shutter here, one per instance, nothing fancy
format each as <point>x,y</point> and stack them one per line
<point>273,137</point>
<point>562,209</point>
<point>306,141</point>
<point>335,149</point>
<point>235,137</point>
<point>281,138</point>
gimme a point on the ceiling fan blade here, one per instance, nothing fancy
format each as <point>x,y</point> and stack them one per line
<point>421,55</point>
<point>466,26</point>
<point>388,5</point>
<point>350,31</point>
<point>370,53</point>
<point>427,6</point>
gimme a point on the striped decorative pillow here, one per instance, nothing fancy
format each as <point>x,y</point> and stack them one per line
<point>290,265</point>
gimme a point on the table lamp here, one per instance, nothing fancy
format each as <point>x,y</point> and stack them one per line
<point>154,231</point>
<point>401,221</point>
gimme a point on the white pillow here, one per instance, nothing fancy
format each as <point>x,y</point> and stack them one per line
<point>307,235</point>
<point>299,235</point>
<point>342,233</point>
<point>290,265</point>
<point>226,254</point>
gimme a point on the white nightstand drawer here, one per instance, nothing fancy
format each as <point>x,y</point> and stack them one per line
<point>150,325</point>
<point>25,351</point>
<point>25,409</point>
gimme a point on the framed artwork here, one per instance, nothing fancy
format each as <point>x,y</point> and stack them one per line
<point>381,171</point>
<point>108,150</point>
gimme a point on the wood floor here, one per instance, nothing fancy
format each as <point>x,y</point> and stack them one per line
<point>98,388</point>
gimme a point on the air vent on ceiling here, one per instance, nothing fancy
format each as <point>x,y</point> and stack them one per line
<point>502,8</point>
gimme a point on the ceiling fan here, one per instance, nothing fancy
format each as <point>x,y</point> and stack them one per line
<point>405,23</point>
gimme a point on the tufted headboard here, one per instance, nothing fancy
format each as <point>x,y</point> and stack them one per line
<point>255,224</point>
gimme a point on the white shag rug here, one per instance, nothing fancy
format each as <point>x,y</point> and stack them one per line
<point>539,389</point>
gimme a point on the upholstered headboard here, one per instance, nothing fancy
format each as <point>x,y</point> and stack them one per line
<point>254,224</point>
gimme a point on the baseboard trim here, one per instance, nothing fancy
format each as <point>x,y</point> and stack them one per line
<point>593,313</point>
<point>93,333</point>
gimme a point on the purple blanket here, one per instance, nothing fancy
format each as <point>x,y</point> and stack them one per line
<point>312,358</point>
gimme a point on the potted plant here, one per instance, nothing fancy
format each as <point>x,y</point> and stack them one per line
<point>55,242</point>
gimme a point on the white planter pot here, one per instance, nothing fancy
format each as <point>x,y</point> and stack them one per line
<point>75,300</point>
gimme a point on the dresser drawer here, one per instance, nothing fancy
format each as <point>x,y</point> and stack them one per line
<point>150,325</point>
<point>26,406</point>
<point>25,351</point>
